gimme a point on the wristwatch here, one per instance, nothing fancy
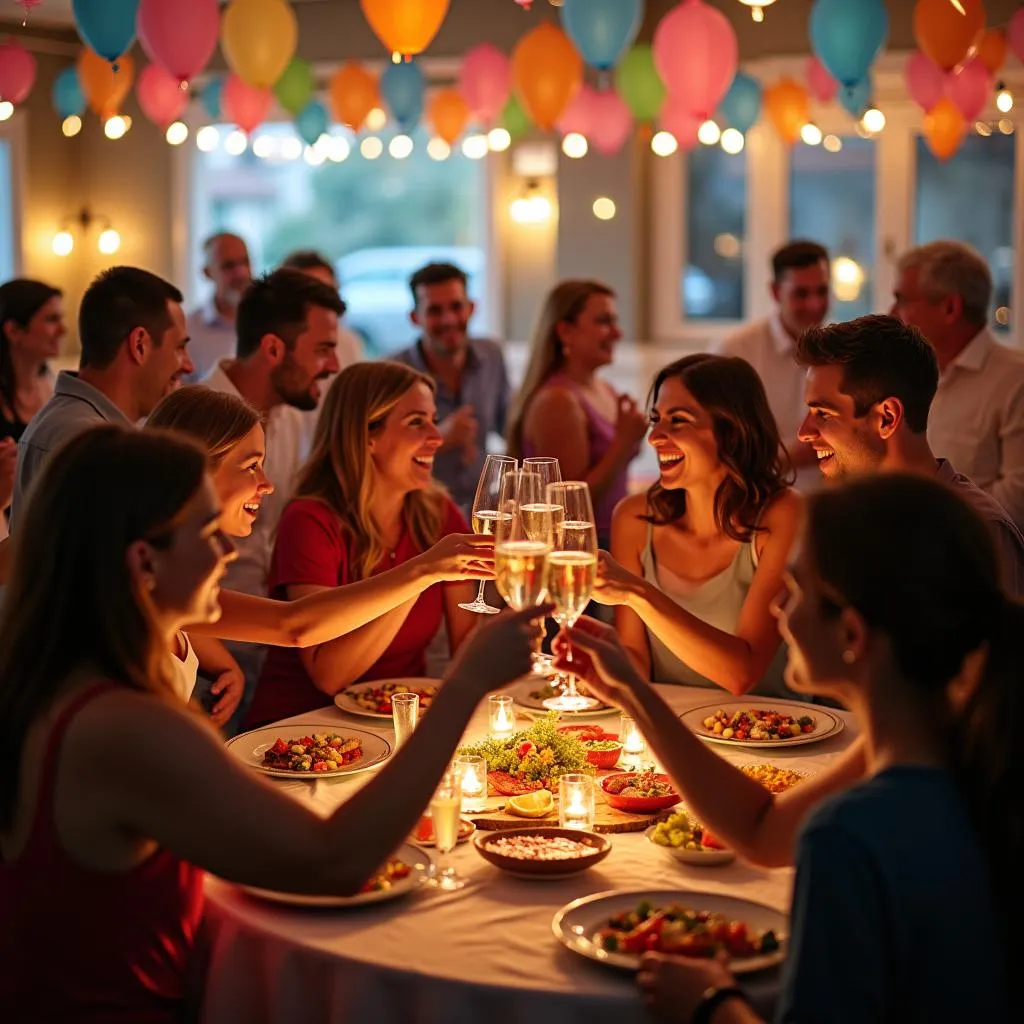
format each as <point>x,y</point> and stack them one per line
<point>712,999</point>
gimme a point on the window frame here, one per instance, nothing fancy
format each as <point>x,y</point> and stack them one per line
<point>14,131</point>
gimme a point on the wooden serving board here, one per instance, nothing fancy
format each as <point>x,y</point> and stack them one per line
<point>606,818</point>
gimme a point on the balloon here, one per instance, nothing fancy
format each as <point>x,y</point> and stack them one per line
<point>847,37</point>
<point>788,107</point>
<point>741,106</point>
<point>401,85</point>
<point>485,81</point>
<point>160,95</point>
<point>695,51</point>
<point>258,38</point>
<point>107,26</point>
<point>944,33</point>
<point>295,88</point>
<point>854,99</point>
<point>405,26</point>
<point>179,37</point>
<point>611,123</point>
<point>67,94</point>
<point>924,80</point>
<point>514,119</point>
<point>449,114</point>
<point>991,49</point>
<point>312,122</point>
<point>211,94</point>
<point>354,93</point>
<point>822,85</point>
<point>17,72</point>
<point>244,104</point>
<point>1015,34</point>
<point>944,128</point>
<point>638,83</point>
<point>578,116</point>
<point>970,88</point>
<point>602,30</point>
<point>676,119</point>
<point>105,88</point>
<point>546,73</point>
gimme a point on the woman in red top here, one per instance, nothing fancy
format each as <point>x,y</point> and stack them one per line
<point>365,502</point>
<point>110,789</point>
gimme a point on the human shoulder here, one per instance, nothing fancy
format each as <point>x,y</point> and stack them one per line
<point>631,508</point>
<point>488,350</point>
<point>783,512</point>
<point>555,397</point>
<point>311,513</point>
<point>745,339</point>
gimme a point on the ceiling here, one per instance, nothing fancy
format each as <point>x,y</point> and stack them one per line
<point>58,12</point>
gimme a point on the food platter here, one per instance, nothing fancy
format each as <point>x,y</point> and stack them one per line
<point>348,700</point>
<point>250,748</point>
<point>705,857</point>
<point>505,850</point>
<point>825,725</point>
<point>524,693</point>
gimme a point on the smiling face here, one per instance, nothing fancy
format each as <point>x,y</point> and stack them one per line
<point>683,436</point>
<point>40,339</point>
<point>590,339</point>
<point>241,484</point>
<point>402,448</point>
<point>442,312</point>
<point>313,357</point>
<point>227,266</point>
<point>802,294</point>
<point>167,361</point>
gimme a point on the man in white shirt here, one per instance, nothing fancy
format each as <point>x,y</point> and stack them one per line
<point>977,419</point>
<point>800,288</point>
<point>212,327</point>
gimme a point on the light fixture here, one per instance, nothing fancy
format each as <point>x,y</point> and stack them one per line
<point>732,141</point>
<point>1006,126</point>
<point>575,146</point>
<point>108,241</point>
<point>236,143</point>
<point>811,134</point>
<point>376,119</point>
<point>63,243</point>
<point>115,127</point>
<point>498,139</point>
<point>6,110</point>
<point>400,147</point>
<point>664,144</point>
<point>709,133</point>
<point>371,147</point>
<point>530,207</point>
<point>438,149</point>
<point>757,8</point>
<point>207,139</point>
<point>847,279</point>
<point>983,129</point>
<point>873,120</point>
<point>1004,99</point>
<point>474,147</point>
<point>71,125</point>
<point>177,133</point>
<point>832,143</point>
<point>604,208</point>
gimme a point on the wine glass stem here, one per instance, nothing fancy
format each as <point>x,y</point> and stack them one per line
<point>480,592</point>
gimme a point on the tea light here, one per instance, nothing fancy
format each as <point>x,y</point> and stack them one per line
<point>501,717</point>
<point>471,773</point>
<point>631,738</point>
<point>576,801</point>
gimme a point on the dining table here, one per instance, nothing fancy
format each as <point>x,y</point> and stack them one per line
<point>484,954</point>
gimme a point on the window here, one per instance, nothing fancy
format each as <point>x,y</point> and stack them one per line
<point>376,220</point>
<point>8,242</point>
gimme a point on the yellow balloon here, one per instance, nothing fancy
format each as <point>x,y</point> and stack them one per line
<point>405,26</point>
<point>449,114</point>
<point>105,88</point>
<point>259,38</point>
<point>944,128</point>
<point>788,107</point>
<point>547,72</point>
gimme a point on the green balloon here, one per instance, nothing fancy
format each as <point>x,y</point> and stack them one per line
<point>295,88</point>
<point>514,119</point>
<point>638,83</point>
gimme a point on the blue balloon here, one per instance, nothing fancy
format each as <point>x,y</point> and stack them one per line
<point>847,36</point>
<point>211,94</point>
<point>855,98</point>
<point>741,105</point>
<point>108,26</point>
<point>312,122</point>
<point>602,30</point>
<point>67,94</point>
<point>401,86</point>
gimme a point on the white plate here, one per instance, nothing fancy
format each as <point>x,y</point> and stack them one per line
<point>521,693</point>
<point>250,747</point>
<point>702,858</point>
<point>406,852</point>
<point>827,724</point>
<point>346,702</point>
<point>577,922</point>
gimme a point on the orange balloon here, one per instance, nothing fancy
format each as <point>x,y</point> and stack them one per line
<point>547,72</point>
<point>944,33</point>
<point>944,128</point>
<point>991,50</point>
<point>105,88</point>
<point>449,114</point>
<point>354,93</point>
<point>788,107</point>
<point>405,26</point>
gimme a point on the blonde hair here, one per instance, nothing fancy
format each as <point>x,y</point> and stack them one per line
<point>217,420</point>
<point>952,268</point>
<point>563,304</point>
<point>340,472</point>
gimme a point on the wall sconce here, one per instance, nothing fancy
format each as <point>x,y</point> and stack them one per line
<point>530,207</point>
<point>108,242</point>
<point>757,8</point>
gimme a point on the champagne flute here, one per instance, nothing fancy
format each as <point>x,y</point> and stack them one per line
<point>522,541</point>
<point>572,570</point>
<point>550,472</point>
<point>485,515</point>
<point>445,811</point>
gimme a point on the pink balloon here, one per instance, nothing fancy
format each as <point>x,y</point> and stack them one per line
<point>695,52</point>
<point>822,85</point>
<point>970,88</point>
<point>677,119</point>
<point>611,122</point>
<point>1015,33</point>
<point>244,104</point>
<point>925,81</point>
<point>485,81</point>
<point>17,72</point>
<point>179,36</point>
<point>160,95</point>
<point>579,115</point>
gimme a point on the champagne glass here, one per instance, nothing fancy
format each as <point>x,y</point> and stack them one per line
<point>572,569</point>
<point>522,541</point>
<point>445,810</point>
<point>485,515</point>
<point>550,472</point>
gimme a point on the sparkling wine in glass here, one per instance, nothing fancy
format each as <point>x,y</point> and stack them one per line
<point>445,811</point>
<point>539,518</point>
<point>520,554</point>
<point>486,515</point>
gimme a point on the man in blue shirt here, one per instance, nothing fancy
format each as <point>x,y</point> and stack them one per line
<point>470,375</point>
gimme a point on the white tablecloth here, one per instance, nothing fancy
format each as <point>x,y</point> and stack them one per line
<point>483,954</point>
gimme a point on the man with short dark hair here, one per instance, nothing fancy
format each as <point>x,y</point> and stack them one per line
<point>869,390</point>
<point>472,382</point>
<point>133,336</point>
<point>800,289</point>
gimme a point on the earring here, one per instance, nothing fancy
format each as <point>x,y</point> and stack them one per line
<point>849,657</point>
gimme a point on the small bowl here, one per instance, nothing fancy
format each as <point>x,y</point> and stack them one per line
<point>543,869</point>
<point>423,834</point>
<point>638,804</point>
<point>704,857</point>
<point>605,758</point>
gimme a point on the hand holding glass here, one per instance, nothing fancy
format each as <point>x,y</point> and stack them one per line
<point>485,515</point>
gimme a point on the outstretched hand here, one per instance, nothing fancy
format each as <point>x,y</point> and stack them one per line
<point>461,556</point>
<point>613,584</point>
<point>592,651</point>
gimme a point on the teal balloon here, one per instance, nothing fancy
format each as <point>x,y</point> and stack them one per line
<point>108,26</point>
<point>637,81</point>
<point>602,30</point>
<point>847,36</point>
<point>401,87</point>
<point>514,119</point>
<point>296,86</point>
<point>854,99</point>
<point>741,105</point>
<point>312,122</point>
<point>211,94</point>
<point>67,94</point>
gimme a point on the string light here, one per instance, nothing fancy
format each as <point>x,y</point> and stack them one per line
<point>873,120</point>
<point>474,147</point>
<point>733,141</point>
<point>400,147</point>
<point>1004,99</point>
<point>207,139</point>
<point>177,133</point>
<point>438,149</point>
<point>6,110</point>
<point>71,125</point>
<point>604,208</point>
<point>498,139</point>
<point>115,127</point>
<point>811,134</point>
<point>664,144</point>
<point>709,133</point>
<point>575,146</point>
<point>236,143</point>
<point>371,147</point>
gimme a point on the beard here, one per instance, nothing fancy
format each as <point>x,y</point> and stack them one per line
<point>294,387</point>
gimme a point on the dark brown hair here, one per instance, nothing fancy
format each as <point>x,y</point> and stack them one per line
<point>436,273</point>
<point>20,300</point>
<point>796,255</point>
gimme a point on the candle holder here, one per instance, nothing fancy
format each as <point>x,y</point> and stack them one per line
<point>501,717</point>
<point>632,740</point>
<point>471,778</point>
<point>576,801</point>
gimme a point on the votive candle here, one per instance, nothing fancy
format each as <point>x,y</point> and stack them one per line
<point>631,738</point>
<point>576,801</point>
<point>501,717</point>
<point>471,773</point>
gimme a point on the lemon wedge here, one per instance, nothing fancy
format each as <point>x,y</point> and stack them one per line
<point>531,805</point>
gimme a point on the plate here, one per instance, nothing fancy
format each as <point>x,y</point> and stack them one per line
<point>406,852</point>
<point>346,702</point>
<point>521,693</point>
<point>827,724</point>
<point>542,869</point>
<point>466,829</point>
<point>804,773</point>
<point>704,858</point>
<point>639,804</point>
<point>577,922</point>
<point>250,747</point>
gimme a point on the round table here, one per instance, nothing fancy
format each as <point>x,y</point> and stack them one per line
<point>483,954</point>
